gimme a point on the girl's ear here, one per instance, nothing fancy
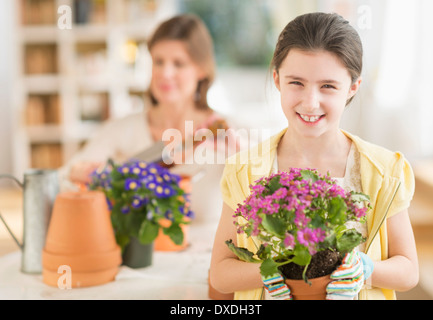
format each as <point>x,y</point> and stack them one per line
<point>354,88</point>
<point>276,79</point>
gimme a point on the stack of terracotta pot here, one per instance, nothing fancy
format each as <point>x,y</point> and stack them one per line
<point>80,240</point>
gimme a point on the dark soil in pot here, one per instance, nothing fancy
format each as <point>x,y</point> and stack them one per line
<point>322,264</point>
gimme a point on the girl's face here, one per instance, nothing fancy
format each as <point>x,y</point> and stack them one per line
<point>174,74</point>
<point>314,87</point>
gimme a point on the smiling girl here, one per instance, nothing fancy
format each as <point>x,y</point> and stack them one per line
<point>317,67</point>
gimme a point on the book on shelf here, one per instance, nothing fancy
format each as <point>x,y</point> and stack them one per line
<point>43,109</point>
<point>40,59</point>
<point>38,12</point>
<point>46,155</point>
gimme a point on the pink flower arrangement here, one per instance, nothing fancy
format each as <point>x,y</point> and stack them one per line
<point>294,215</point>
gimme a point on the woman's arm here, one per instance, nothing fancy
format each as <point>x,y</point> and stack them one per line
<point>400,271</point>
<point>227,272</point>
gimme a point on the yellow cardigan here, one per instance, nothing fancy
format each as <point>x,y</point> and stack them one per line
<point>385,176</point>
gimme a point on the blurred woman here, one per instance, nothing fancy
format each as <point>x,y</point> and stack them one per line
<point>183,69</point>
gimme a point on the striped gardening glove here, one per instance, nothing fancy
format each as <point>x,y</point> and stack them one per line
<point>348,279</point>
<point>276,287</point>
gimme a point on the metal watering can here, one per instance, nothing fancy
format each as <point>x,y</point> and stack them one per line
<point>40,188</point>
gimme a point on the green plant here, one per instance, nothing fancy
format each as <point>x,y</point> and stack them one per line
<point>139,195</point>
<point>294,215</point>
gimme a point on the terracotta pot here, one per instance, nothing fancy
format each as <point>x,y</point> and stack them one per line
<point>163,241</point>
<point>80,236</point>
<point>137,255</point>
<point>79,279</point>
<point>303,291</point>
<point>185,184</point>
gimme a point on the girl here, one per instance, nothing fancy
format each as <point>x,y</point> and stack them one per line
<point>317,68</point>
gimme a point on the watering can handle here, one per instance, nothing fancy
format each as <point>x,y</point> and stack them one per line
<point>9,176</point>
<point>1,217</point>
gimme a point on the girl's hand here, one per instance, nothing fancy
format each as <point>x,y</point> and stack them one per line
<point>348,278</point>
<point>277,288</point>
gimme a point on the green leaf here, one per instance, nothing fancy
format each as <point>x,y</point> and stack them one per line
<point>337,211</point>
<point>274,225</point>
<point>122,240</point>
<point>329,242</point>
<point>264,252</point>
<point>309,175</point>
<point>348,240</point>
<point>268,268</point>
<point>175,233</point>
<point>148,232</point>
<point>241,253</point>
<point>274,184</point>
<point>301,255</point>
<point>359,196</point>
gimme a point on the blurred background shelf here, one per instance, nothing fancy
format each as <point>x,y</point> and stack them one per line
<point>66,78</point>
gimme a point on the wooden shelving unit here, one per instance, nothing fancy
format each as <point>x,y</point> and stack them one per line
<point>68,81</point>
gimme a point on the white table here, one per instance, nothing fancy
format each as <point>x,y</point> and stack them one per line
<point>181,275</point>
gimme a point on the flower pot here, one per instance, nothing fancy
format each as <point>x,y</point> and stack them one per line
<point>163,241</point>
<point>137,255</point>
<point>303,291</point>
<point>185,184</point>
<point>80,236</point>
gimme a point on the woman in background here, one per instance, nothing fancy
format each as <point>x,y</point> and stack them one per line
<point>183,69</point>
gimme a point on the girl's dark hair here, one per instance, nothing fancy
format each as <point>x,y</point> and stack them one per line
<point>322,31</point>
<point>193,32</point>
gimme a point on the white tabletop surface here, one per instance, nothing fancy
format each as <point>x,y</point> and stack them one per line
<point>181,275</point>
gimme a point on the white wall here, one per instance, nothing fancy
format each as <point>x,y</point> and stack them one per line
<point>6,65</point>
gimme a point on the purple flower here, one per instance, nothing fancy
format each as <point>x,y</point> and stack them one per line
<point>169,215</point>
<point>186,212</point>
<point>138,202</point>
<point>125,209</point>
<point>151,185</point>
<point>335,190</point>
<point>132,184</point>
<point>124,169</point>
<point>289,241</point>
<point>280,194</point>
<point>164,191</point>
<point>320,234</point>
<point>308,238</point>
<point>301,220</point>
